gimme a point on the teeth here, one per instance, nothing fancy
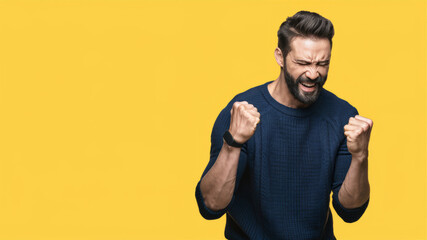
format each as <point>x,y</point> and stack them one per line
<point>305,85</point>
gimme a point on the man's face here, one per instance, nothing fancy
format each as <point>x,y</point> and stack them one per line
<point>306,68</point>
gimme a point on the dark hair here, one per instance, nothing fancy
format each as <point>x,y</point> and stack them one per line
<point>303,24</point>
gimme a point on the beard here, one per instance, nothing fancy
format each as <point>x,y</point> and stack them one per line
<point>304,97</point>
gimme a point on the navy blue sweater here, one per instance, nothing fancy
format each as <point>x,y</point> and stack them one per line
<point>286,170</point>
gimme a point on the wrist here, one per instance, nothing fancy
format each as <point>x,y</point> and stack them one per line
<point>236,136</point>
<point>360,157</point>
<point>231,140</point>
<point>230,149</point>
<point>360,160</point>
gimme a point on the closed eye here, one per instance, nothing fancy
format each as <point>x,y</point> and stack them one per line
<point>326,63</point>
<point>323,63</point>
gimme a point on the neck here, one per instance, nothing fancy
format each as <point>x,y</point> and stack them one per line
<point>280,92</point>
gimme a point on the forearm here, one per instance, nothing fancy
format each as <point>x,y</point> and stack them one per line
<point>355,188</point>
<point>217,186</point>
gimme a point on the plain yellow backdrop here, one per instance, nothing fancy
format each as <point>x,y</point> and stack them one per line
<point>106,109</point>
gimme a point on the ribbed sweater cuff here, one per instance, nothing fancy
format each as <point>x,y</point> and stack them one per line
<point>204,210</point>
<point>348,214</point>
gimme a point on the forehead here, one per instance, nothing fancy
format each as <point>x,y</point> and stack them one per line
<point>310,48</point>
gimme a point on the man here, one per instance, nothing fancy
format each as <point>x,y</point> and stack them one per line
<point>279,149</point>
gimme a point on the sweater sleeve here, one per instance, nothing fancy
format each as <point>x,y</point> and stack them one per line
<point>222,124</point>
<point>342,164</point>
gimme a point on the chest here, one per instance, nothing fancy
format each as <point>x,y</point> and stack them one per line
<point>292,152</point>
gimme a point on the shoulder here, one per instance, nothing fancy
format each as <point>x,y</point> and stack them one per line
<point>334,108</point>
<point>331,101</point>
<point>253,96</point>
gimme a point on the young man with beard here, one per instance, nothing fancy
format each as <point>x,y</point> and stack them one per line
<point>279,149</point>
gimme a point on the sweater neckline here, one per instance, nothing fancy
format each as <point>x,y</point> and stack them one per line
<point>297,112</point>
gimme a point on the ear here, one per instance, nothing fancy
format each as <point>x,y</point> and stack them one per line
<point>279,57</point>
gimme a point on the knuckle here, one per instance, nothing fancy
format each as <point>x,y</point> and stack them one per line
<point>236,104</point>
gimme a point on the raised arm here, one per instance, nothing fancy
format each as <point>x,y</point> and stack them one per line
<point>355,189</point>
<point>351,185</point>
<point>217,185</point>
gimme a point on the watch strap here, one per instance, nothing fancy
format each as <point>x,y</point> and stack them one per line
<point>228,138</point>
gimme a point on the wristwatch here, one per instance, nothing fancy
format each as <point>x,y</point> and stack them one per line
<point>228,138</point>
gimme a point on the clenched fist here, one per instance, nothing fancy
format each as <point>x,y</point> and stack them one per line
<point>358,132</point>
<point>244,119</point>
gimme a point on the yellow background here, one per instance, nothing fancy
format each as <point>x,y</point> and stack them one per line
<point>106,109</point>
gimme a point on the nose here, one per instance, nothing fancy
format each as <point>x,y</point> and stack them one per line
<point>312,73</point>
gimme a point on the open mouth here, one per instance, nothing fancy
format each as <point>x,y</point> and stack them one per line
<point>308,85</point>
